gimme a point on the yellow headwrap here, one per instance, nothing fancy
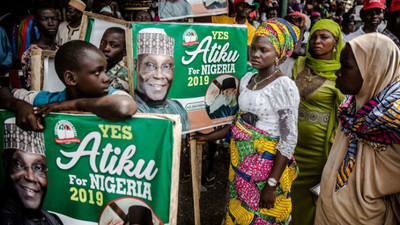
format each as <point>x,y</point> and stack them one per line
<point>282,35</point>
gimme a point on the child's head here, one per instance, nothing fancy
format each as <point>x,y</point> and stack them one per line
<point>112,44</point>
<point>47,19</point>
<point>82,68</point>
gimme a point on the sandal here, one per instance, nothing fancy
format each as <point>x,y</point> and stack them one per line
<point>185,178</point>
<point>209,182</point>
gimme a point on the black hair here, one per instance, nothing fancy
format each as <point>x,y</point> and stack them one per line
<point>118,30</point>
<point>271,9</point>
<point>139,214</point>
<point>348,20</point>
<point>42,6</point>
<point>69,55</point>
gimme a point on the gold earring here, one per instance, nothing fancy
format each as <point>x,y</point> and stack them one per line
<point>334,49</point>
<point>276,61</point>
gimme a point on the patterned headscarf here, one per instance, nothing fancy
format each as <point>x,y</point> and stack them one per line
<point>282,34</point>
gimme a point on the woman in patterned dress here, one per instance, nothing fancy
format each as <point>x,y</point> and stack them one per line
<point>264,132</point>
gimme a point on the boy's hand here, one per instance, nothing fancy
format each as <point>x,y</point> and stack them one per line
<point>44,110</point>
<point>25,117</point>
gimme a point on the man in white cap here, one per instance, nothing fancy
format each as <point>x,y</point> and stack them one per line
<point>70,29</point>
<point>26,178</point>
<point>154,69</point>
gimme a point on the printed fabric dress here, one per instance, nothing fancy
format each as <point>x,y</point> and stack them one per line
<point>253,150</point>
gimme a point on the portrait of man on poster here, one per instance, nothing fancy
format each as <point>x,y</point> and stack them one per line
<point>26,178</point>
<point>154,71</point>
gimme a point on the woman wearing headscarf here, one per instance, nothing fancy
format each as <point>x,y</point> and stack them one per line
<point>264,132</point>
<point>315,77</point>
<point>360,180</point>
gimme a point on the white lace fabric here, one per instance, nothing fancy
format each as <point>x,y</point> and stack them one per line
<point>276,106</point>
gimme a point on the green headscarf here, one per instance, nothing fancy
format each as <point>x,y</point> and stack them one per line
<point>326,68</point>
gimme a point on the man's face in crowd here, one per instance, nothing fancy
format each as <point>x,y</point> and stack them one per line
<point>47,22</point>
<point>143,16</point>
<point>154,74</point>
<point>73,14</point>
<point>272,13</point>
<point>243,9</point>
<point>112,45</point>
<point>372,18</point>
<point>28,172</point>
<point>348,27</point>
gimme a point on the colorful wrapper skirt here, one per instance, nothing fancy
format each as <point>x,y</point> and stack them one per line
<point>252,157</point>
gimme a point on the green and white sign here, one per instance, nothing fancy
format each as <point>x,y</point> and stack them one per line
<point>101,171</point>
<point>204,56</point>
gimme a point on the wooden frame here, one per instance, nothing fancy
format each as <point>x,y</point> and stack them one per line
<point>38,68</point>
<point>87,16</point>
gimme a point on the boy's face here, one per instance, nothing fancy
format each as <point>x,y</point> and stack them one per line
<point>143,16</point>
<point>28,172</point>
<point>91,78</point>
<point>154,75</point>
<point>112,45</point>
<point>47,22</point>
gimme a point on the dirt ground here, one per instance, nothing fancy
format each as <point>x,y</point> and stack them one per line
<point>212,200</point>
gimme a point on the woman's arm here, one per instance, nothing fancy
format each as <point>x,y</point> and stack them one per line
<point>285,148</point>
<point>212,136</point>
<point>268,193</point>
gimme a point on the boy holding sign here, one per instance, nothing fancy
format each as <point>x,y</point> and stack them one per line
<point>81,67</point>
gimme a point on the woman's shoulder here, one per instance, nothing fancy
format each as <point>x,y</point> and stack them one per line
<point>247,76</point>
<point>245,79</point>
<point>284,93</point>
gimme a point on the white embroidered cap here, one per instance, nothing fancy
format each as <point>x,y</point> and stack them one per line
<point>16,138</point>
<point>155,41</point>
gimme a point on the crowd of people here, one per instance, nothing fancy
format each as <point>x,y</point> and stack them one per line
<point>316,135</point>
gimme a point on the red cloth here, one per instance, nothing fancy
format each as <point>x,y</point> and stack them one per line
<point>374,4</point>
<point>395,6</point>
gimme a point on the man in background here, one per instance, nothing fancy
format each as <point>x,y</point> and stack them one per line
<point>371,15</point>
<point>393,26</point>
<point>70,29</point>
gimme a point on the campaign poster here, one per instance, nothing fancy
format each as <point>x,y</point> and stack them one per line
<point>179,9</point>
<point>197,66</point>
<point>102,172</point>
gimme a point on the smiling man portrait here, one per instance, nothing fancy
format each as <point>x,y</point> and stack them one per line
<point>154,69</point>
<point>26,178</point>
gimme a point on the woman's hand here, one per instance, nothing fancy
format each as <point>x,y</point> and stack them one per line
<point>267,197</point>
<point>199,137</point>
